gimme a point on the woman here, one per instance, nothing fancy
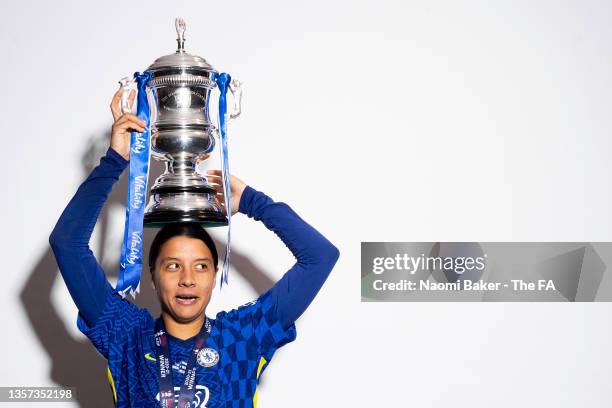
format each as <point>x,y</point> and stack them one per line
<point>193,358</point>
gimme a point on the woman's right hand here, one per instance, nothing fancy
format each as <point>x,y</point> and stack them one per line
<point>123,124</point>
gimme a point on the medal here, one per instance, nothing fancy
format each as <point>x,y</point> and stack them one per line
<point>187,388</point>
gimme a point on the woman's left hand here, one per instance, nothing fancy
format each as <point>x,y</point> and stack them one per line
<point>237,186</point>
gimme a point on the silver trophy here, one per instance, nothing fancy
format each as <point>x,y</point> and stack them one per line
<point>179,95</point>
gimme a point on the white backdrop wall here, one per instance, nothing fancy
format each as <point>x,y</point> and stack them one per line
<point>375,121</point>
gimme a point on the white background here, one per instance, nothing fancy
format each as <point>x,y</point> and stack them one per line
<point>374,121</point>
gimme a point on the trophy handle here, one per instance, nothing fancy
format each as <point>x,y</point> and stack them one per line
<point>127,84</point>
<point>235,88</point>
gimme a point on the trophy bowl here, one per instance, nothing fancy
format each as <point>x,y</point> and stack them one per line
<point>179,96</point>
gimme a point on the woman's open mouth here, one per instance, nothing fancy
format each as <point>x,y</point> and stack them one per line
<point>186,299</point>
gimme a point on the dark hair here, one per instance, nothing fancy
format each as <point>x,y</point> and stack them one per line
<point>186,229</point>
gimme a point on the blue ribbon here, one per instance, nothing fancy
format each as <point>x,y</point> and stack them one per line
<point>130,266</point>
<point>223,81</point>
<point>164,372</point>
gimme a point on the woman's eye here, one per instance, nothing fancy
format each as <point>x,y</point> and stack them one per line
<point>172,266</point>
<point>201,266</point>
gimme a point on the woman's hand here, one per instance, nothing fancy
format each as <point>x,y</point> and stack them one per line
<point>123,124</point>
<point>237,186</point>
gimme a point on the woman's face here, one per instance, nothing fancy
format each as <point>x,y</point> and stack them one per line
<point>184,277</point>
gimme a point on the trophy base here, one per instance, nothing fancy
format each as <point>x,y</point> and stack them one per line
<point>202,217</point>
<point>176,204</point>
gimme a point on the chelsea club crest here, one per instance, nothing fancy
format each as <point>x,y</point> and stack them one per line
<point>208,357</point>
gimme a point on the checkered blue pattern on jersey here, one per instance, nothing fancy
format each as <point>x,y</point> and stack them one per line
<point>123,334</point>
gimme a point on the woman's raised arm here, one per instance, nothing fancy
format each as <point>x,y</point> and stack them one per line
<point>315,255</point>
<point>69,240</point>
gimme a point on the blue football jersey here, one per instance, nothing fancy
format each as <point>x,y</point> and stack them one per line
<point>241,344</point>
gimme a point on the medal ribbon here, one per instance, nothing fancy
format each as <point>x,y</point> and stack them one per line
<point>164,365</point>
<point>130,266</point>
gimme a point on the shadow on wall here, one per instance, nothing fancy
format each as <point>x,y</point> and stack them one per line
<point>76,363</point>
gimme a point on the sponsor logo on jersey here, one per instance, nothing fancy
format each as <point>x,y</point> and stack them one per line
<point>200,399</point>
<point>208,357</point>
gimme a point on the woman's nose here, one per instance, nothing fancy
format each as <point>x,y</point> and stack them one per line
<point>187,277</point>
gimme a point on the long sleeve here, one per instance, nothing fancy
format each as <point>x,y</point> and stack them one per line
<point>315,255</point>
<point>69,240</point>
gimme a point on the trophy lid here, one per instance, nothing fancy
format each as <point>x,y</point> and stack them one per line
<point>180,59</point>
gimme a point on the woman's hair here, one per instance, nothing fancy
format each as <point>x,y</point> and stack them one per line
<point>191,230</point>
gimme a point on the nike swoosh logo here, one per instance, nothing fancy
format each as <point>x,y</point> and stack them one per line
<point>148,357</point>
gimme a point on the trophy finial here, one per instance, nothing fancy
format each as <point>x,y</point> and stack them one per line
<point>180,25</point>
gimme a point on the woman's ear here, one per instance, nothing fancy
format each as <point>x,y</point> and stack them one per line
<point>153,280</point>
